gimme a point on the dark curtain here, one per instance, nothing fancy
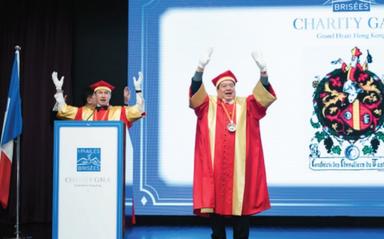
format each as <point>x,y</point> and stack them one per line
<point>83,40</point>
<point>43,29</point>
<point>100,47</point>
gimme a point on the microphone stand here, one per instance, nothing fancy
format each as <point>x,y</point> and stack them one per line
<point>93,112</point>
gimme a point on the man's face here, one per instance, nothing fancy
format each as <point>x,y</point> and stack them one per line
<point>102,97</point>
<point>91,100</point>
<point>127,95</point>
<point>226,91</point>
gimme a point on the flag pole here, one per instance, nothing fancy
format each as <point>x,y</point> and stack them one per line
<point>17,141</point>
<point>18,48</point>
<point>17,226</point>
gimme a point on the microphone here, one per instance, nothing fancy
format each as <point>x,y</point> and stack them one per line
<point>93,112</point>
<point>97,108</point>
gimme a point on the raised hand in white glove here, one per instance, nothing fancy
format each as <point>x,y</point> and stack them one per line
<point>58,83</point>
<point>259,59</point>
<point>204,59</point>
<point>138,82</point>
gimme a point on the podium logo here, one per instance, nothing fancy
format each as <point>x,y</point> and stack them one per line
<point>88,159</point>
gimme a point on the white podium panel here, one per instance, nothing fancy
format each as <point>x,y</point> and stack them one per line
<point>88,180</point>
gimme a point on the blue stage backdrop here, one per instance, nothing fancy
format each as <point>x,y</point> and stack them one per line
<point>323,138</point>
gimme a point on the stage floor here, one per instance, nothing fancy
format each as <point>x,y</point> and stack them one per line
<point>202,232</point>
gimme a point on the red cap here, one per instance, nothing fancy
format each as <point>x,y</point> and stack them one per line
<point>227,75</point>
<point>102,85</point>
<point>356,52</point>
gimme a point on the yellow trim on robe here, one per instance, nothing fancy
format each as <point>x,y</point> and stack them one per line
<point>87,113</point>
<point>114,113</point>
<point>195,101</point>
<point>67,112</point>
<point>212,111</point>
<point>240,157</point>
<point>198,98</point>
<point>262,95</point>
<point>133,113</point>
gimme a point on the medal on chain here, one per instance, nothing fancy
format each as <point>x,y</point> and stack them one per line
<point>231,126</point>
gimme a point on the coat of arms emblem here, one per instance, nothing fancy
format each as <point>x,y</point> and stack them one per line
<point>348,117</point>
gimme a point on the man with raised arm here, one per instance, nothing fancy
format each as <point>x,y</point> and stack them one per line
<point>103,110</point>
<point>229,172</point>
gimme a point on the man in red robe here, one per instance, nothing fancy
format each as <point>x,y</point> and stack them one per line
<point>229,172</point>
<point>103,111</point>
<point>98,107</point>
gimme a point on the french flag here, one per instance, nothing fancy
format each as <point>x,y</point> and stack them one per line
<point>12,127</point>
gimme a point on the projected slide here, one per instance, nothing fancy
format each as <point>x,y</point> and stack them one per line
<point>323,137</point>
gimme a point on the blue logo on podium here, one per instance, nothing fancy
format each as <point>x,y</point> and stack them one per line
<point>88,159</point>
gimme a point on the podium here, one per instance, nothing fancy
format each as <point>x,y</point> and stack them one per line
<point>88,185</point>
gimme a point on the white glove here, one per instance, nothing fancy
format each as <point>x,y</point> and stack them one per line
<point>56,107</point>
<point>203,61</point>
<point>58,83</point>
<point>138,82</point>
<point>60,101</point>
<point>140,102</point>
<point>258,58</point>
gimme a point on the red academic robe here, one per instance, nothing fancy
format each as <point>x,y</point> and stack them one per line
<point>229,171</point>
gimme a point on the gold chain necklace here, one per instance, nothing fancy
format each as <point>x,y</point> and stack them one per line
<point>231,126</point>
